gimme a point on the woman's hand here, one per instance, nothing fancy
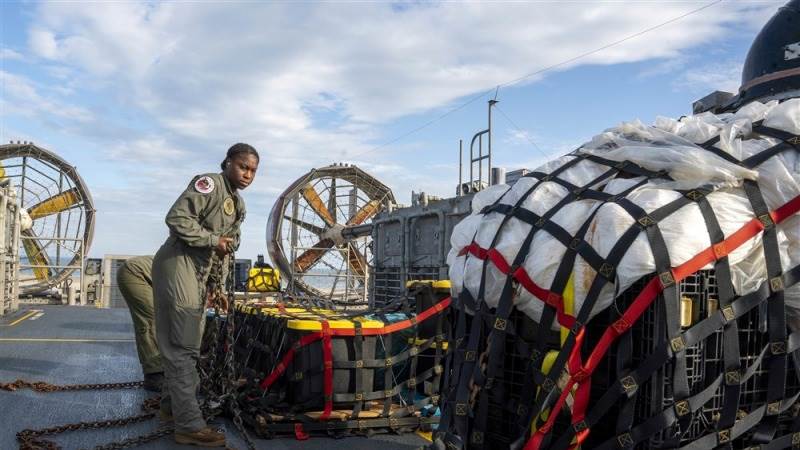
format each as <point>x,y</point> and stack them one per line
<point>224,245</point>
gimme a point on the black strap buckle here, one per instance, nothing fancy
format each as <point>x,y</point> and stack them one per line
<point>733,378</point>
<point>766,220</point>
<point>694,195</point>
<point>678,344</point>
<point>646,221</point>
<point>776,284</point>
<point>682,408</point>
<point>625,440</point>
<point>580,426</point>
<point>477,437</point>
<point>666,279</point>
<point>728,313</point>
<point>774,408</point>
<point>607,271</point>
<point>629,384</point>
<point>777,348</point>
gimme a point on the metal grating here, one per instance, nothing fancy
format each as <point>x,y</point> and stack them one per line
<point>704,363</point>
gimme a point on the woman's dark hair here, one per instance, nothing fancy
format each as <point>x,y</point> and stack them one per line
<point>239,149</point>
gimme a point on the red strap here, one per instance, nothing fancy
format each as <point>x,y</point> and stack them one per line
<point>787,210</point>
<point>639,306</point>
<point>498,260</point>
<point>270,379</point>
<point>398,326</point>
<point>327,378</point>
<point>551,298</point>
<point>299,432</point>
<point>287,358</point>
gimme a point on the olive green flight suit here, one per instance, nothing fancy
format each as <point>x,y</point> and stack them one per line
<point>181,272</point>
<point>136,285</point>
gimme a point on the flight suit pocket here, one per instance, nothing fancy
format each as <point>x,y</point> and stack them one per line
<point>187,327</point>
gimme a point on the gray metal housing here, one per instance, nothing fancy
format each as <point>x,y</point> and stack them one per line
<point>412,244</point>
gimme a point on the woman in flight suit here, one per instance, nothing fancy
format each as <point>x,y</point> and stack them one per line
<point>204,228</point>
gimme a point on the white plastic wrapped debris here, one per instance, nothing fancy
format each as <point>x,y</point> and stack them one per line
<point>670,146</point>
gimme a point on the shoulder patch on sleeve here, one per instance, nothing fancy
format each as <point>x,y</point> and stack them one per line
<point>204,185</point>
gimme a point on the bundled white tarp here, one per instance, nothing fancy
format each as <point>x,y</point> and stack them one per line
<point>669,146</point>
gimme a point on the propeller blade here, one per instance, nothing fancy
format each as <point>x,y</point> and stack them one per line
<point>36,255</point>
<point>312,228</point>
<point>312,255</point>
<point>356,260</point>
<point>55,204</point>
<point>317,205</point>
<point>370,209</point>
<point>332,199</point>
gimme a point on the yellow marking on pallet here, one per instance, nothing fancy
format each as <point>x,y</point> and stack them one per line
<point>427,435</point>
<point>26,316</point>
<point>63,340</point>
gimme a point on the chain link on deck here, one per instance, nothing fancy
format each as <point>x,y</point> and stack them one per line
<point>29,439</point>
<point>41,386</point>
<point>219,384</point>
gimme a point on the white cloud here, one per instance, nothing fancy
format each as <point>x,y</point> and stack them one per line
<point>722,76</point>
<point>208,69</point>
<point>518,137</point>
<point>43,43</point>
<point>310,83</point>
<point>23,97</point>
<point>9,54</point>
<point>151,149</point>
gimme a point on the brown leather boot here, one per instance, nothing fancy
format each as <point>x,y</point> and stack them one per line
<point>206,437</point>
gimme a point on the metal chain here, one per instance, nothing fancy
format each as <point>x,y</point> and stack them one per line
<point>29,438</point>
<point>41,386</point>
<point>220,385</point>
<point>232,379</point>
<point>212,382</point>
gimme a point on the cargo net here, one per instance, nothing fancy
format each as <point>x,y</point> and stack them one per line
<point>636,293</point>
<point>309,370</point>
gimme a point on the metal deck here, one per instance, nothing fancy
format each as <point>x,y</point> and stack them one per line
<point>68,345</point>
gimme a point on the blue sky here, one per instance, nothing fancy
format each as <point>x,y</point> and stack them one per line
<point>141,95</point>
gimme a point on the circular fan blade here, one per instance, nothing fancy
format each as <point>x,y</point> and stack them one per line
<point>332,199</point>
<point>312,197</point>
<point>55,204</point>
<point>356,260</point>
<point>57,199</point>
<point>36,255</point>
<point>305,225</point>
<point>321,257</point>
<point>312,255</point>
<point>366,212</point>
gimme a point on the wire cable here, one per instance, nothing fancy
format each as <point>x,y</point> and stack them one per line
<point>522,132</point>
<point>537,72</point>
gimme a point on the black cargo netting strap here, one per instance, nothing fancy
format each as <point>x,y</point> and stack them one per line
<point>310,370</point>
<point>511,373</point>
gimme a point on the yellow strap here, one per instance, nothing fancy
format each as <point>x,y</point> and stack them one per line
<point>568,297</point>
<point>435,284</point>
<point>569,304</point>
